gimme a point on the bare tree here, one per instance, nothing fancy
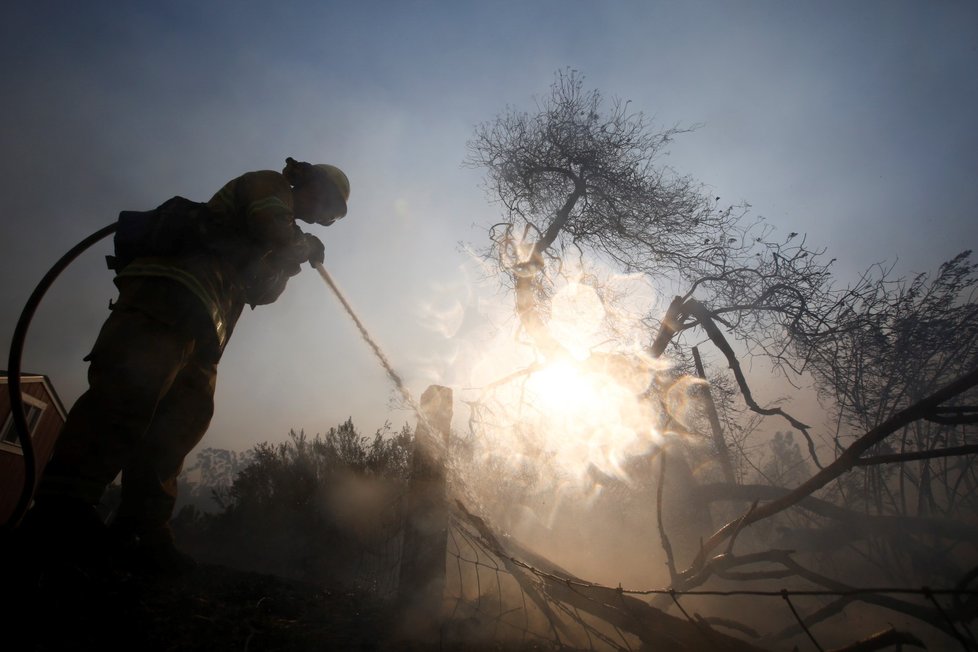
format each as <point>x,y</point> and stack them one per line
<point>898,341</point>
<point>582,177</point>
<point>573,176</point>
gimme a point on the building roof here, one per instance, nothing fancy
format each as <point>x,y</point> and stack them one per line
<point>39,378</point>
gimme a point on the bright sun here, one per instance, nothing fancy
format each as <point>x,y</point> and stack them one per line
<point>584,418</point>
<point>562,388</point>
<point>578,414</point>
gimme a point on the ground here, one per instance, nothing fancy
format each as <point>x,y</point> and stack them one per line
<point>214,608</point>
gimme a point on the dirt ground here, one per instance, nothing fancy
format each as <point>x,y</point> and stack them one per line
<point>58,607</point>
<point>214,608</point>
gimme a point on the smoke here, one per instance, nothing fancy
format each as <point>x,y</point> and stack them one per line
<point>558,454</point>
<point>568,457</point>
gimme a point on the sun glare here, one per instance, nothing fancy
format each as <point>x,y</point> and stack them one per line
<point>562,389</point>
<point>585,418</point>
<point>575,419</point>
<point>576,314</point>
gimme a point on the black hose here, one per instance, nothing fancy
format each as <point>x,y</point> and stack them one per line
<point>13,370</point>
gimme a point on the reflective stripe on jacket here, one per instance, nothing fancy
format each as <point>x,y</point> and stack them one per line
<point>253,246</point>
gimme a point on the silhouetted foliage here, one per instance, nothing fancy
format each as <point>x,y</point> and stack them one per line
<point>894,340</point>
<point>898,341</point>
<point>306,508</point>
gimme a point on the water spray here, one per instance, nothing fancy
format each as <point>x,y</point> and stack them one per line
<point>421,414</point>
<point>385,363</point>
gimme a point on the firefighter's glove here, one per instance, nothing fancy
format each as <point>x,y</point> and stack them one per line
<point>317,252</point>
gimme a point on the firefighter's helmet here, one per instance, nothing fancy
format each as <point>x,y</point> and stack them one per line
<point>329,183</point>
<point>337,177</point>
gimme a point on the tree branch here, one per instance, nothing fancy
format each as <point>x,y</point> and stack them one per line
<point>698,310</point>
<point>953,451</point>
<point>882,640</point>
<point>666,546</point>
<point>845,462</point>
<point>857,522</point>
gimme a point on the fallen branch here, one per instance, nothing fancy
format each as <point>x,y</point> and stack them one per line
<point>860,524</point>
<point>539,600</point>
<point>881,640</point>
<point>895,458</point>
<point>652,626</point>
<point>723,564</point>
<point>845,462</point>
<point>952,416</point>
<point>729,624</point>
<point>924,614</point>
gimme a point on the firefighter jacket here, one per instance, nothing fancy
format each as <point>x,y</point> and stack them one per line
<point>250,247</point>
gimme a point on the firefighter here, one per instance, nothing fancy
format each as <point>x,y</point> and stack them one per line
<point>153,367</point>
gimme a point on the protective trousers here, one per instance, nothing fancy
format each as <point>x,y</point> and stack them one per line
<point>151,380</point>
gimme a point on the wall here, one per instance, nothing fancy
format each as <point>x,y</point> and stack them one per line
<point>45,435</point>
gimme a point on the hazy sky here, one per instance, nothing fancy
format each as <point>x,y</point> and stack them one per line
<point>854,122</point>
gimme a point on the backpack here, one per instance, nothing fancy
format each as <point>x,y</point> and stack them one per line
<point>176,226</point>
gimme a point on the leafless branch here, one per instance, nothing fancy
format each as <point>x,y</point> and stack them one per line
<point>881,640</point>
<point>696,309</point>
<point>666,546</point>
<point>847,460</point>
<point>954,451</point>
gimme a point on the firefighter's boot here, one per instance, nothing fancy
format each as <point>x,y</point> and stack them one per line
<point>151,552</point>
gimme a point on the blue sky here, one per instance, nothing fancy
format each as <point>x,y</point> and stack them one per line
<point>851,122</point>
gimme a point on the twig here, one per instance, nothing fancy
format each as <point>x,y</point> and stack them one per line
<point>670,560</point>
<point>829,610</point>
<point>953,630</point>
<point>787,598</point>
<point>952,451</point>
<point>672,594</point>
<point>881,640</point>
<point>730,624</point>
<point>697,622</point>
<point>740,525</point>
